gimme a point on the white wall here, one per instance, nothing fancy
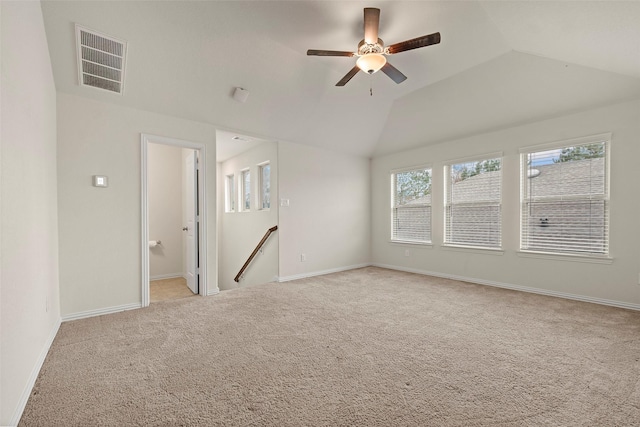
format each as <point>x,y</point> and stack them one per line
<point>165,188</point>
<point>616,282</point>
<point>328,218</point>
<point>29,298</point>
<point>241,231</point>
<point>100,228</point>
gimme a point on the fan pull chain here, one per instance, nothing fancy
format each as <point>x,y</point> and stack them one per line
<point>371,85</point>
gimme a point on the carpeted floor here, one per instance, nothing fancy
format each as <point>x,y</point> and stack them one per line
<point>368,347</point>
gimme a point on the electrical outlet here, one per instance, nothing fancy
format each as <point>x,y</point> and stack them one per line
<point>407,252</point>
<point>303,257</point>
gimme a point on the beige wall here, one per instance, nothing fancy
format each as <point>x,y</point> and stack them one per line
<point>616,282</point>
<point>29,299</point>
<point>100,228</point>
<point>328,218</point>
<point>165,188</point>
<point>241,231</point>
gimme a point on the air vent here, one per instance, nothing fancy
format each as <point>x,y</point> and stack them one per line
<point>100,60</point>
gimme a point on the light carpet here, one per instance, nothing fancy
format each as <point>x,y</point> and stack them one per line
<point>368,347</point>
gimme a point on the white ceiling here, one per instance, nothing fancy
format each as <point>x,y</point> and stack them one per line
<point>499,63</point>
<point>231,144</point>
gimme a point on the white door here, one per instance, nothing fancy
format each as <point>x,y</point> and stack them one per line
<point>191,169</point>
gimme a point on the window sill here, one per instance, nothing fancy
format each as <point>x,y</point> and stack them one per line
<point>411,243</point>
<point>566,257</point>
<point>473,249</point>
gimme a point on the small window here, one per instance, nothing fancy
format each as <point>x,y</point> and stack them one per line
<point>565,198</point>
<point>230,194</point>
<point>246,189</point>
<point>264,171</point>
<point>411,206</point>
<point>473,203</point>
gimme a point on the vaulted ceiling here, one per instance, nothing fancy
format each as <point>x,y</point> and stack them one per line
<point>499,63</point>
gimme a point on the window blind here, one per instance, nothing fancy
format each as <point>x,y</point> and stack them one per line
<point>565,200</point>
<point>411,206</point>
<point>473,203</point>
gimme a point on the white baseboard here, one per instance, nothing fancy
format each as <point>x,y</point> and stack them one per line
<point>214,291</point>
<point>320,273</point>
<point>166,276</point>
<point>100,311</point>
<point>26,393</point>
<point>613,303</point>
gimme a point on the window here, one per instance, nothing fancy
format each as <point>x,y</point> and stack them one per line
<point>411,206</point>
<point>473,203</point>
<point>265,185</point>
<point>565,198</point>
<point>246,189</point>
<point>230,194</point>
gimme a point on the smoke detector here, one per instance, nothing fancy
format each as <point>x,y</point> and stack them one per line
<point>101,60</point>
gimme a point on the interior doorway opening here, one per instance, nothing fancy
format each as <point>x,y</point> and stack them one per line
<point>173,219</point>
<point>248,208</point>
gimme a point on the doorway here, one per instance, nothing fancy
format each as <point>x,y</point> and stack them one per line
<point>173,218</point>
<point>247,186</point>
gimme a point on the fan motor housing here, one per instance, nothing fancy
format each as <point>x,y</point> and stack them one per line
<point>364,47</point>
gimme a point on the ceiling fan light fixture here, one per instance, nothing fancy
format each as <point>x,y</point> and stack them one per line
<point>371,50</point>
<point>371,62</point>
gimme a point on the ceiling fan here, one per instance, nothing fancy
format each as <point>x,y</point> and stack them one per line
<point>371,50</point>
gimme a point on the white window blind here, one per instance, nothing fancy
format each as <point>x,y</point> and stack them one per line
<point>411,206</point>
<point>230,192</point>
<point>565,200</point>
<point>473,203</point>
<point>265,186</point>
<point>246,190</point>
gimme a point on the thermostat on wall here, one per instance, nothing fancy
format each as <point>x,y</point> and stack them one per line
<point>100,181</point>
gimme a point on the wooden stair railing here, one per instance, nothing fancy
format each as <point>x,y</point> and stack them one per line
<point>255,252</point>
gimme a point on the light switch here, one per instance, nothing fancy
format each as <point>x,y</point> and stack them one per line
<point>100,181</point>
<point>284,202</point>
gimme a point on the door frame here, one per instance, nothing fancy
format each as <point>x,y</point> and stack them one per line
<point>145,140</point>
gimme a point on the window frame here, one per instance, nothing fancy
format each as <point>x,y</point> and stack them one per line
<point>392,175</point>
<point>230,193</point>
<point>524,152</point>
<point>447,190</point>
<point>261,192</point>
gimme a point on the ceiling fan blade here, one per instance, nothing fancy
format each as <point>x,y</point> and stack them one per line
<point>393,73</point>
<point>371,24</point>
<point>414,43</point>
<point>348,76</point>
<point>314,52</point>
